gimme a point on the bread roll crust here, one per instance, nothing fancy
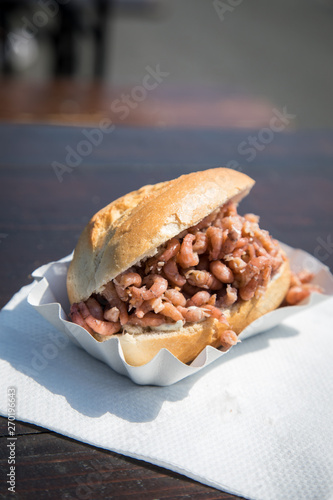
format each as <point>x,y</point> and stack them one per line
<point>132,227</point>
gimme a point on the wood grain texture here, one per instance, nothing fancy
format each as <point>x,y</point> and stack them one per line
<point>158,148</point>
<point>82,102</point>
<point>41,219</point>
<point>52,466</point>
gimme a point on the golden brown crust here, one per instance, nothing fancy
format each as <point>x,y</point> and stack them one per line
<point>187,342</point>
<point>132,227</point>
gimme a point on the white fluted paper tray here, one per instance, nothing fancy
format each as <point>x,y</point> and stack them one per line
<point>49,298</point>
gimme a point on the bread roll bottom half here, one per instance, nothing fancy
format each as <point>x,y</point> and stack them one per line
<point>173,265</point>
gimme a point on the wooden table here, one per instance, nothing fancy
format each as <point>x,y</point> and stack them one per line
<point>41,219</point>
<point>66,101</point>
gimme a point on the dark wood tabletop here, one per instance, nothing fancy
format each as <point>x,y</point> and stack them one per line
<point>52,183</point>
<point>67,101</point>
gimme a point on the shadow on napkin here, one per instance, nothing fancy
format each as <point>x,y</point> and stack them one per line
<point>32,346</point>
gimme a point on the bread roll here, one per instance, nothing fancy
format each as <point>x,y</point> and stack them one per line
<point>133,228</point>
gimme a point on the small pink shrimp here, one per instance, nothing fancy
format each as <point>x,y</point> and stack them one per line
<point>276,247</point>
<point>215,236</point>
<point>212,300</point>
<point>170,270</point>
<point>199,299</point>
<point>254,267</point>
<point>247,292</point>
<point>121,292</point>
<point>229,244</point>
<point>234,225</point>
<point>186,257</point>
<point>298,293</point>
<point>221,271</point>
<point>305,276</point>
<point>251,251</point>
<point>236,264</point>
<point>276,262</point>
<point>294,280</point>
<point>77,318</point>
<point>192,314</point>
<point>175,297</point>
<point>260,250</point>
<point>265,239</point>
<point>201,243</point>
<point>110,294</point>
<point>149,319</point>
<point>265,275</point>
<point>228,338</point>
<point>216,313</point>
<point>157,284</point>
<point>230,209</point>
<point>171,311</point>
<point>95,308</point>
<point>218,222</point>
<point>302,277</point>
<point>241,247</point>
<point>149,305</point>
<point>255,278</point>
<point>125,280</point>
<point>159,306</point>
<point>251,218</point>
<point>249,229</point>
<point>101,327</point>
<point>172,249</point>
<point>203,279</point>
<point>156,262</point>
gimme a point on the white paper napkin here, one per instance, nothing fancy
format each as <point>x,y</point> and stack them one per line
<point>256,422</point>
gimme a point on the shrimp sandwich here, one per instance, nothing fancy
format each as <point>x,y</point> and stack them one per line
<point>173,265</point>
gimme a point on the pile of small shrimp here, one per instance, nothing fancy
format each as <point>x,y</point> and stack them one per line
<point>193,276</point>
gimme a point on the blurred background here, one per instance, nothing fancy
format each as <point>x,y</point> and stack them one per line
<point>193,63</point>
